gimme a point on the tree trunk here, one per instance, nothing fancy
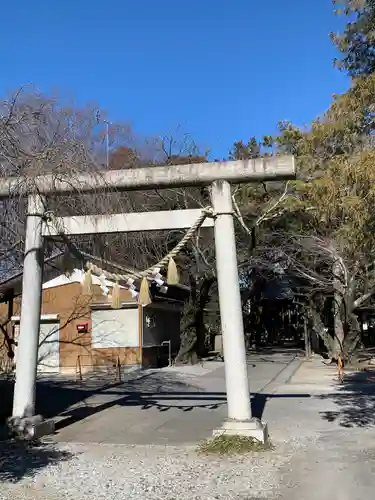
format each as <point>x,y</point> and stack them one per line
<point>320,329</point>
<point>352,336</point>
<point>306,337</point>
<point>347,332</point>
<point>193,330</point>
<point>339,332</point>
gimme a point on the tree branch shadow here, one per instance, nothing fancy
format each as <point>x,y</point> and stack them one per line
<point>74,400</point>
<point>355,400</point>
<point>20,459</point>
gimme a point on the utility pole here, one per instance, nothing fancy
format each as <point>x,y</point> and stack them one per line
<point>106,122</point>
<point>107,142</point>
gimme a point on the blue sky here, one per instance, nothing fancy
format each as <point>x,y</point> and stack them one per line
<point>222,70</point>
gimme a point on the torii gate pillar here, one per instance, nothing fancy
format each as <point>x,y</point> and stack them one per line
<point>239,420</point>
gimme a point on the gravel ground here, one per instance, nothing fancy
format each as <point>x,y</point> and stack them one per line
<point>117,471</point>
<point>296,469</point>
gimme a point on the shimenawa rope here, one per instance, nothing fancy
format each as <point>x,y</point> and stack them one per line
<point>152,272</point>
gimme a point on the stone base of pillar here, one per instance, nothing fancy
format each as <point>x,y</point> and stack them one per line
<point>30,428</point>
<point>253,428</point>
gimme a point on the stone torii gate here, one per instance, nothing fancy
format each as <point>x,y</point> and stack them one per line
<point>218,176</point>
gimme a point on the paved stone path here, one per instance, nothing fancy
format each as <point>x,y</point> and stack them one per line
<point>170,406</point>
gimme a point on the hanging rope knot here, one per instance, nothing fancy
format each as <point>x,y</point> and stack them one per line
<point>48,216</point>
<point>209,212</point>
<point>89,266</point>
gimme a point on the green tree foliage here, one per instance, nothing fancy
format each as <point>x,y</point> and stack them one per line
<point>357,42</point>
<point>245,151</point>
<point>323,229</point>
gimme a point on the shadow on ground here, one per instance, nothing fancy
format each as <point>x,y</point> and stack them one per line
<point>54,396</point>
<point>355,399</point>
<point>165,401</point>
<point>275,350</point>
<point>18,459</point>
<point>73,402</point>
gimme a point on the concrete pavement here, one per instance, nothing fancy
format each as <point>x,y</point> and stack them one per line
<point>175,406</point>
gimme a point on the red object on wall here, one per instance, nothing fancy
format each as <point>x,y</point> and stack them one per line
<point>83,327</point>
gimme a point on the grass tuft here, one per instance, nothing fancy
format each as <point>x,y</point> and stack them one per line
<point>232,445</point>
